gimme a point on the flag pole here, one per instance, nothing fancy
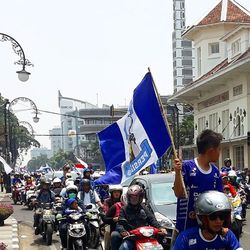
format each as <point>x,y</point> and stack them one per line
<point>168,128</point>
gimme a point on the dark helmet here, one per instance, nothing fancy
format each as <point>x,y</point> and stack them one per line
<point>226,160</point>
<point>66,167</point>
<point>86,170</point>
<point>135,195</point>
<point>86,182</point>
<point>212,202</point>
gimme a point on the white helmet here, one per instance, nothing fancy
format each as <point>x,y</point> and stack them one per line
<point>113,188</point>
<point>56,180</point>
<point>232,173</point>
<point>72,188</point>
<point>69,181</point>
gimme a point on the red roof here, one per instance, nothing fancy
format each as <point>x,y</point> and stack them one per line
<point>226,11</point>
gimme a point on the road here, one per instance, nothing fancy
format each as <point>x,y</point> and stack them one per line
<point>27,237</point>
<point>30,241</point>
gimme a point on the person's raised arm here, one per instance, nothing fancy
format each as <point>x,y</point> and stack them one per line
<point>178,182</point>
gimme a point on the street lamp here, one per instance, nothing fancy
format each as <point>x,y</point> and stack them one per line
<point>23,75</point>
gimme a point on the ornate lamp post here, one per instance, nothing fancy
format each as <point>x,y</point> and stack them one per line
<point>23,75</point>
<point>8,131</point>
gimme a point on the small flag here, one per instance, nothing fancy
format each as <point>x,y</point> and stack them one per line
<point>6,166</point>
<point>137,140</point>
<point>83,163</point>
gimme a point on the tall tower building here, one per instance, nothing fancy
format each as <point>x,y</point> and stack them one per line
<point>182,49</point>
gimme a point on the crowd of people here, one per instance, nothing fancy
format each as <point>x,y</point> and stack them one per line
<point>203,194</point>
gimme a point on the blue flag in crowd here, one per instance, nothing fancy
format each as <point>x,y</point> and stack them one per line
<point>137,140</point>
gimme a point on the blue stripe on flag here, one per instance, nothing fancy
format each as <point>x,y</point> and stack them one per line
<point>113,176</point>
<point>112,146</point>
<point>148,111</point>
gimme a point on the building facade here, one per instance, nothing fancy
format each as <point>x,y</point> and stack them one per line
<point>220,91</point>
<point>55,139</point>
<point>182,49</point>
<point>35,152</point>
<point>81,121</point>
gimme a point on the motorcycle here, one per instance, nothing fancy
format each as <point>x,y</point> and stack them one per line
<point>236,217</point>
<point>30,197</point>
<point>144,238</point>
<point>46,222</point>
<point>57,209</point>
<point>76,232</point>
<point>94,222</point>
<point>16,193</point>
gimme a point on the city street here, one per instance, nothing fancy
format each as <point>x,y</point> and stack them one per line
<point>28,240</point>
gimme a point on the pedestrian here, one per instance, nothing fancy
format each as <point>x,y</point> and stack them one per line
<point>1,181</point>
<point>199,175</point>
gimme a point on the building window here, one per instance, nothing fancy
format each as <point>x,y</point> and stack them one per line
<point>213,121</point>
<point>225,124</point>
<point>186,44</point>
<point>236,47</point>
<point>199,61</point>
<point>213,48</point>
<point>239,157</point>
<point>237,90</point>
<point>201,124</point>
<point>187,62</point>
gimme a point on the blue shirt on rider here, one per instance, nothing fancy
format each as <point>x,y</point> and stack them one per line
<point>226,169</point>
<point>46,196</point>
<point>192,239</point>
<point>16,180</point>
<point>196,181</point>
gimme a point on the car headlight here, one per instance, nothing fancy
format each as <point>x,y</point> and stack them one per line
<point>164,221</point>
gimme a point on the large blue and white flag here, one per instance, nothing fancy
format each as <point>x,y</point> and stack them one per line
<point>137,140</point>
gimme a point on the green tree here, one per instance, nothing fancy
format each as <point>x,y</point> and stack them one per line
<point>36,162</point>
<point>20,140</point>
<point>61,158</point>
<point>187,130</point>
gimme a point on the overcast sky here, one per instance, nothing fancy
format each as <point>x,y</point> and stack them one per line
<point>84,48</point>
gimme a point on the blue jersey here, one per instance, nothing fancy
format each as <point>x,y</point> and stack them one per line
<point>192,239</point>
<point>226,169</point>
<point>196,181</point>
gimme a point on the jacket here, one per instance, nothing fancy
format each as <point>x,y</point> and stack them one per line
<point>136,217</point>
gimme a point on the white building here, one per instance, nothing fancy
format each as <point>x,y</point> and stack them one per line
<point>182,49</point>
<point>220,91</point>
<point>55,139</point>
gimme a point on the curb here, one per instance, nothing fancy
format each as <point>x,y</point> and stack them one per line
<point>13,239</point>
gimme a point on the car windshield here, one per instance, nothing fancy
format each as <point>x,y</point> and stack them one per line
<point>162,193</point>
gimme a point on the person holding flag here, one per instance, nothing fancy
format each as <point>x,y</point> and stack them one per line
<point>199,175</point>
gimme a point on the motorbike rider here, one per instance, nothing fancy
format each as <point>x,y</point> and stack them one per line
<point>227,165</point>
<point>88,195</point>
<point>27,185</point>
<point>115,196</point>
<point>213,214</point>
<point>225,181</point>
<point>16,179</point>
<point>71,193</point>
<point>136,215</point>
<point>111,218</point>
<point>87,175</point>
<point>103,191</point>
<point>57,186</point>
<point>66,169</point>
<point>45,195</point>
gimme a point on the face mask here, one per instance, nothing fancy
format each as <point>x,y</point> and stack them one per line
<point>72,195</point>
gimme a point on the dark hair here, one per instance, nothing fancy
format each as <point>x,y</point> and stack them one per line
<point>208,139</point>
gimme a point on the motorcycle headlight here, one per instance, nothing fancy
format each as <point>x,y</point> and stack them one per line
<point>164,221</point>
<point>147,232</point>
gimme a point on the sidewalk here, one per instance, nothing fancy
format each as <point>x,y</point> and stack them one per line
<point>9,232</point>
